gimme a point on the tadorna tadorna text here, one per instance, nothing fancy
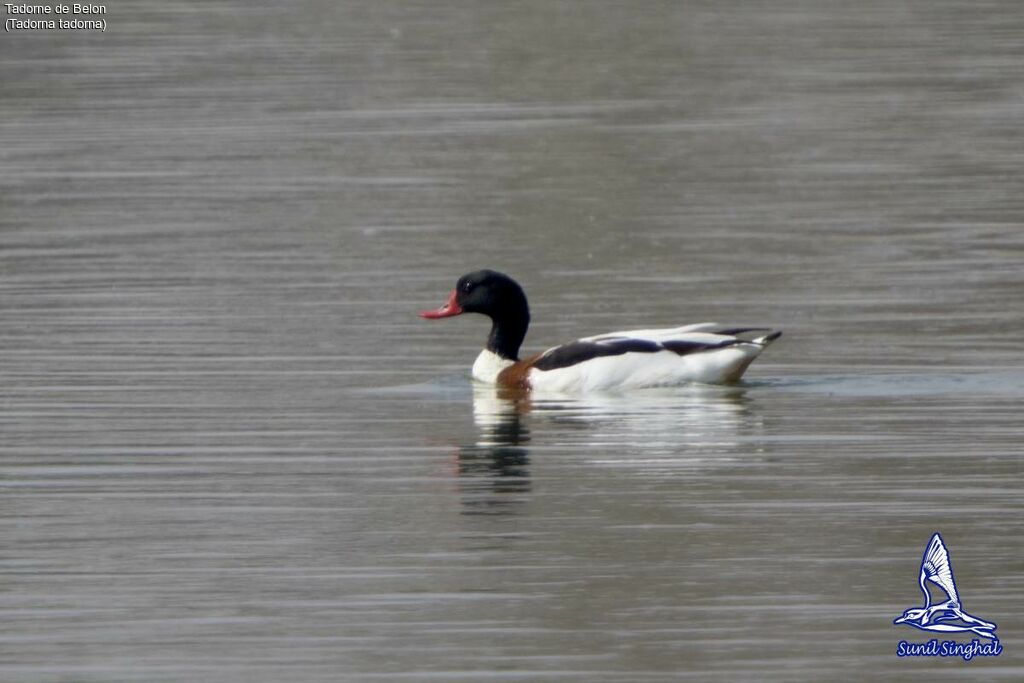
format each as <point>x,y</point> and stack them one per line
<point>706,352</point>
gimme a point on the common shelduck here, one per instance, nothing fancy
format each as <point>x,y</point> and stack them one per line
<point>706,352</point>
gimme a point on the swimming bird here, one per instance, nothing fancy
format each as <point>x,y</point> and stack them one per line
<point>935,567</point>
<point>706,352</point>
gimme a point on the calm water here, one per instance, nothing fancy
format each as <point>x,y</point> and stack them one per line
<point>231,452</point>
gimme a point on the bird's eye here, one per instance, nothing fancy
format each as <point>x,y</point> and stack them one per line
<point>466,286</point>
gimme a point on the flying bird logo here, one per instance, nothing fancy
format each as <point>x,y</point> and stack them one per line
<point>947,616</point>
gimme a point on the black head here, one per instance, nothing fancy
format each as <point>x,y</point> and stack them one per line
<point>489,292</point>
<point>497,296</point>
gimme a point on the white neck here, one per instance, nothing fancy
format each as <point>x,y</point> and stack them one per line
<point>487,366</point>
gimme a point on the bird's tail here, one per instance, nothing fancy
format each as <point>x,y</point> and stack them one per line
<point>767,339</point>
<point>984,632</point>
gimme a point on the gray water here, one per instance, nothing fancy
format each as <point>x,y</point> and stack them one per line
<point>231,452</point>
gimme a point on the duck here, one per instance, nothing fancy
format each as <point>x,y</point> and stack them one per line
<point>705,353</point>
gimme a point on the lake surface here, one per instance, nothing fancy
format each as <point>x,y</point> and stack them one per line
<point>231,452</point>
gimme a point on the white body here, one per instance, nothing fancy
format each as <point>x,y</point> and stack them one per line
<point>639,370</point>
<point>487,366</point>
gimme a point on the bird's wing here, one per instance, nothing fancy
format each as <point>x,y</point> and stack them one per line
<point>635,341</point>
<point>700,330</point>
<point>936,568</point>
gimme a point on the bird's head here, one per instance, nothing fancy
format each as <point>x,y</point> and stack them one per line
<point>484,291</point>
<point>912,614</point>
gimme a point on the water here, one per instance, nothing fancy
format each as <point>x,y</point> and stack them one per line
<point>232,452</point>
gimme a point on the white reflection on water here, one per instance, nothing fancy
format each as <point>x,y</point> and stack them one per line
<point>656,429</point>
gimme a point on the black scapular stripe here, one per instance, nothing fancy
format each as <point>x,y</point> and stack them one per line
<point>683,347</point>
<point>733,331</point>
<point>580,351</point>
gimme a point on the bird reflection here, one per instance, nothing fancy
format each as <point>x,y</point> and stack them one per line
<point>650,433</point>
<point>498,462</point>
